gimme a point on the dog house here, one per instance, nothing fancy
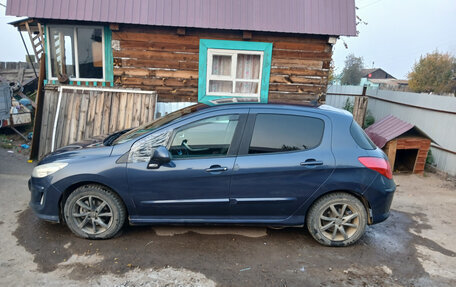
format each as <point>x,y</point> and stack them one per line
<point>405,144</point>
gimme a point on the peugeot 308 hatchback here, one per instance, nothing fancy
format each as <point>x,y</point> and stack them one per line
<point>248,164</point>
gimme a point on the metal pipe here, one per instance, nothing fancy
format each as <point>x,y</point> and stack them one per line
<point>28,54</point>
<point>57,111</point>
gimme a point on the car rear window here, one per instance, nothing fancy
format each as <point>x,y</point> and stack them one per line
<point>360,137</point>
<point>283,133</point>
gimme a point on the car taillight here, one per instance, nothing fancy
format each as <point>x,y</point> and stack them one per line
<point>378,164</point>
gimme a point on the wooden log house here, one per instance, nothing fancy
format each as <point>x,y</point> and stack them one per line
<point>281,50</point>
<point>209,51</point>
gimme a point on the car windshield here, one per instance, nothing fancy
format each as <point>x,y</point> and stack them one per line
<point>148,127</point>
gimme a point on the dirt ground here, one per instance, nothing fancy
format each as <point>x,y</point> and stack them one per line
<point>414,247</point>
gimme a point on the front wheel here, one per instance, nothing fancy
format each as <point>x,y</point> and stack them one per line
<point>337,219</point>
<point>94,212</point>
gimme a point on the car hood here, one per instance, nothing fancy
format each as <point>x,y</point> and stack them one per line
<point>78,151</point>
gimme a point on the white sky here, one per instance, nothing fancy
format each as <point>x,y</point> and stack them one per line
<point>397,34</point>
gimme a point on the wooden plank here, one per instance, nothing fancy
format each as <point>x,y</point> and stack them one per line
<point>296,88</point>
<point>151,115</point>
<point>299,72</point>
<point>72,136</point>
<point>159,46</point>
<point>130,110</point>
<point>50,121</point>
<point>91,114</point>
<point>138,106</point>
<point>82,122</point>
<point>98,119</point>
<point>177,74</point>
<point>359,109</point>
<point>114,108</point>
<point>67,119</point>
<point>297,79</point>
<point>107,108</point>
<point>142,117</point>
<point>61,121</point>
<point>35,146</point>
<point>122,110</point>
<point>289,54</point>
<point>156,55</point>
<point>157,63</point>
<point>391,153</point>
<point>297,63</point>
<point>165,82</point>
<point>44,123</point>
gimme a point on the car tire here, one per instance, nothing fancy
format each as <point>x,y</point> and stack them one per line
<point>337,219</point>
<point>94,212</point>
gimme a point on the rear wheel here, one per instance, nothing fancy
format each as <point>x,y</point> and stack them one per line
<point>337,219</point>
<point>94,212</point>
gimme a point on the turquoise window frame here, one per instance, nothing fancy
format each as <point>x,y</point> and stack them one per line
<point>108,58</point>
<point>206,44</point>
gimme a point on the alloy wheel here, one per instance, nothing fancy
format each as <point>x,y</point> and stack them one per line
<point>92,214</point>
<point>339,222</point>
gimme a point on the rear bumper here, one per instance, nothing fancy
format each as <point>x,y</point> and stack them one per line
<point>44,199</point>
<point>380,196</point>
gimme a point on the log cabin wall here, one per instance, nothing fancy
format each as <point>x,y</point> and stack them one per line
<point>166,60</point>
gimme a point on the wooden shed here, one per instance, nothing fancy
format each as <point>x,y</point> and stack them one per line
<point>405,144</point>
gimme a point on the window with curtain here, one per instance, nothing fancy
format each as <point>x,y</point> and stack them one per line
<point>234,72</point>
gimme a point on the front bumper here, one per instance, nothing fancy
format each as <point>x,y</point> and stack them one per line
<point>44,199</point>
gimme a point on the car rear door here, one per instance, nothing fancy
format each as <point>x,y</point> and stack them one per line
<point>284,157</point>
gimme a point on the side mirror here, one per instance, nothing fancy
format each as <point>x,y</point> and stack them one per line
<point>160,156</point>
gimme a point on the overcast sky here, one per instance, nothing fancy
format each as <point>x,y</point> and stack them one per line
<point>397,33</point>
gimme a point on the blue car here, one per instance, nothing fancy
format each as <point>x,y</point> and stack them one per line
<point>246,164</point>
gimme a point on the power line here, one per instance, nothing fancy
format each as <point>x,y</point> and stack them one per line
<point>370,4</point>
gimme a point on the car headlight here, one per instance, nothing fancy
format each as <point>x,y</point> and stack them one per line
<point>47,169</point>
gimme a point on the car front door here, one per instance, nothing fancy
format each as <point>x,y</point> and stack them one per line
<point>194,185</point>
<point>283,159</point>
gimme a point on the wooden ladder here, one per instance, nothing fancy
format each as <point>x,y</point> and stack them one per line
<point>37,40</point>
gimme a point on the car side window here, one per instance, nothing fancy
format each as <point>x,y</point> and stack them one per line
<point>284,133</point>
<point>209,137</point>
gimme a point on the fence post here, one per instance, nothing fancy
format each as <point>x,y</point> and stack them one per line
<point>360,108</point>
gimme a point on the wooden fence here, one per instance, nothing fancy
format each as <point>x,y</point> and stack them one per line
<point>85,113</point>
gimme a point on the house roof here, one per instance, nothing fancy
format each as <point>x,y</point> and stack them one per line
<point>326,17</point>
<point>390,128</point>
<point>366,72</point>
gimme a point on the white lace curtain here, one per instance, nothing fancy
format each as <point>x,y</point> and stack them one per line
<point>247,68</point>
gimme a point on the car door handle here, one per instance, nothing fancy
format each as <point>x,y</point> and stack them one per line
<point>216,168</point>
<point>311,162</point>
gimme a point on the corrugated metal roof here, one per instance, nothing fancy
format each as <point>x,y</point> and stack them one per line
<point>327,17</point>
<point>387,129</point>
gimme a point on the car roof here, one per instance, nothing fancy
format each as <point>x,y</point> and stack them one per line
<point>324,109</point>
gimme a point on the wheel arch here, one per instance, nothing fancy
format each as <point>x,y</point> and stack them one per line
<point>64,196</point>
<point>357,195</point>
